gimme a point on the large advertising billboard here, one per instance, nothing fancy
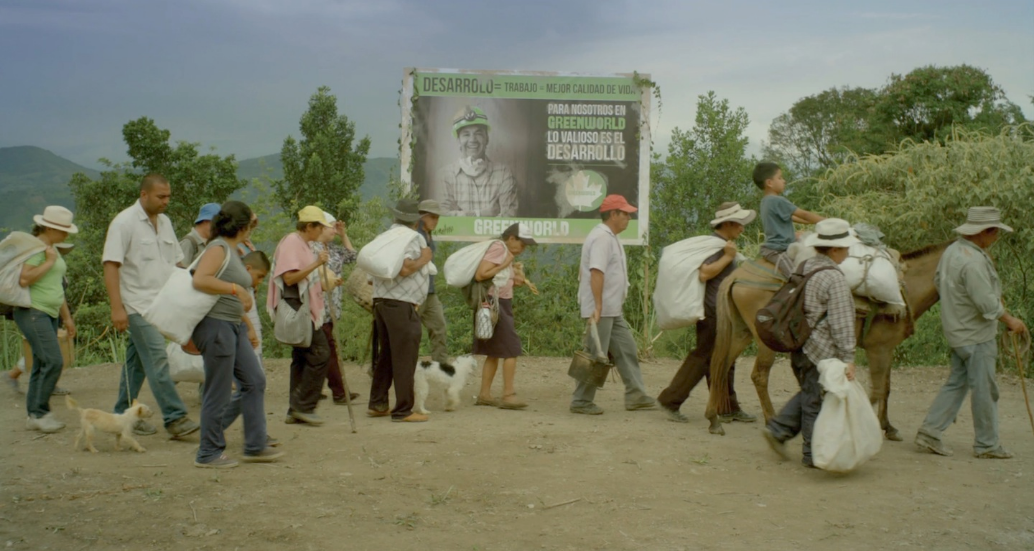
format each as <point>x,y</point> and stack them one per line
<point>495,147</point>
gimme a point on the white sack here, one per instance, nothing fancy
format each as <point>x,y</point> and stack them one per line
<point>847,432</point>
<point>383,257</point>
<point>871,273</point>
<point>461,266</point>
<point>15,249</point>
<point>678,298</point>
<point>183,367</point>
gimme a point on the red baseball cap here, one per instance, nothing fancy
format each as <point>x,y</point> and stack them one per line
<point>616,202</point>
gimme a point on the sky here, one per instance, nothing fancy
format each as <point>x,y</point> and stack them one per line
<point>236,75</point>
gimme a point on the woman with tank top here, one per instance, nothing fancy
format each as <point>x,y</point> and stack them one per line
<point>222,338</point>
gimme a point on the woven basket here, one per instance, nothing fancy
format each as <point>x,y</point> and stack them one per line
<point>359,287</point>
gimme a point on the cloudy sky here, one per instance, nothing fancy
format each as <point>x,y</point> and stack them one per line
<point>237,74</point>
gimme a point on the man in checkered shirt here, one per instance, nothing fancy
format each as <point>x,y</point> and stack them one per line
<point>829,309</point>
<point>474,185</point>
<point>397,328</point>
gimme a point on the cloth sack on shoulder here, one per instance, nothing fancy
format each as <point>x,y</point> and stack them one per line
<point>15,249</point>
<point>678,298</point>
<point>461,266</point>
<point>183,367</point>
<point>847,432</point>
<point>383,257</point>
<point>179,307</point>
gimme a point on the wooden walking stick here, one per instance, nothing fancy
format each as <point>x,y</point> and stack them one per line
<point>348,399</point>
<point>1022,371</point>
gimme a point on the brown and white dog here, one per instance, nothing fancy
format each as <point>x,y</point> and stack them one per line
<point>120,425</point>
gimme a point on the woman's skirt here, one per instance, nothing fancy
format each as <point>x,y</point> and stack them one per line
<point>504,342</point>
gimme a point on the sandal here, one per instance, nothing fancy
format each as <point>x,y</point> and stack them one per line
<point>492,402</point>
<point>511,403</point>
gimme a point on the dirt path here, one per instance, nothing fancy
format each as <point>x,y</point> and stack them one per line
<point>489,479</point>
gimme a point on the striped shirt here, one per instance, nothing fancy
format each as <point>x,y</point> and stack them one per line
<point>827,293</point>
<point>492,193</point>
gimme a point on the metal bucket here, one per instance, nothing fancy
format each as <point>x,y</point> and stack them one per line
<point>587,368</point>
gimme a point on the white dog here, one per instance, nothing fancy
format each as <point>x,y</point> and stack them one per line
<point>451,377</point>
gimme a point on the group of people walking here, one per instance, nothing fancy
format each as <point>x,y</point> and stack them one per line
<point>141,250</point>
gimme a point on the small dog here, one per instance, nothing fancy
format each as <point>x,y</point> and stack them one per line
<point>120,425</point>
<point>452,377</point>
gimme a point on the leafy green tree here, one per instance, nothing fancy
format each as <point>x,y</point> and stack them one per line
<point>822,131</point>
<point>705,167</point>
<point>326,166</point>
<point>195,180</point>
<point>926,103</point>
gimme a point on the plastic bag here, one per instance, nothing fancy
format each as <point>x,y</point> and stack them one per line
<point>679,296</point>
<point>847,432</point>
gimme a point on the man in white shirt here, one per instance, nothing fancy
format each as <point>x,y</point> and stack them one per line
<point>140,252</point>
<point>602,289</point>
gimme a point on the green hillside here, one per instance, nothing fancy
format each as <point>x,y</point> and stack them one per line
<point>32,178</point>
<point>378,171</point>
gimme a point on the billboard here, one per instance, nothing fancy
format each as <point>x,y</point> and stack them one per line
<point>495,147</point>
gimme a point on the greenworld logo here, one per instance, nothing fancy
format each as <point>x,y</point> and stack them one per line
<point>585,190</point>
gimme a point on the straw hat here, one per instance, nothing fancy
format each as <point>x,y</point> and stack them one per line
<point>832,232</point>
<point>56,217</point>
<point>733,212</point>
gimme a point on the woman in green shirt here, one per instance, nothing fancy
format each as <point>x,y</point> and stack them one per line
<point>43,274</point>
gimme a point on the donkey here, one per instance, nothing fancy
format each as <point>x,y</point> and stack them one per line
<point>743,293</point>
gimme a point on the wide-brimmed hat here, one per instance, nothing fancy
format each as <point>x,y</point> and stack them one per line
<point>832,232</point>
<point>64,246</point>
<point>521,231</point>
<point>979,219</point>
<point>406,210</point>
<point>313,214</point>
<point>733,212</point>
<point>207,212</point>
<point>57,217</point>
<point>430,206</point>
<point>616,202</point>
<point>469,116</point>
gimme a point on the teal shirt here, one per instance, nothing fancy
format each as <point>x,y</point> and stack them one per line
<point>777,217</point>
<point>971,295</point>
<point>48,294</point>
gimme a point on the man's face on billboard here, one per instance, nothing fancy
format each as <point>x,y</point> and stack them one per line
<point>473,141</point>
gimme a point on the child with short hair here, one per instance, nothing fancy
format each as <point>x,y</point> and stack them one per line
<point>778,215</point>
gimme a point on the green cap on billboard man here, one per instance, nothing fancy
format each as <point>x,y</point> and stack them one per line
<point>474,185</point>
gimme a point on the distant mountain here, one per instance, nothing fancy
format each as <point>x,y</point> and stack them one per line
<point>32,178</point>
<point>378,171</point>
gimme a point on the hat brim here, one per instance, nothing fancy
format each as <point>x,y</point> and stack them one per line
<point>973,229</point>
<point>430,211</point>
<point>405,216</point>
<point>815,240</point>
<point>528,241</point>
<point>746,216</point>
<point>71,228</point>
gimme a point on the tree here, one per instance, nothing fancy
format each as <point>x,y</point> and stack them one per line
<point>195,179</point>
<point>323,168</point>
<point>925,104</point>
<point>706,166</point>
<point>822,131</point>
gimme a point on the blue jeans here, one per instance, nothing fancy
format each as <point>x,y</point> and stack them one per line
<point>799,414</point>
<point>972,369</point>
<point>41,331</point>
<point>145,357</point>
<point>229,356</point>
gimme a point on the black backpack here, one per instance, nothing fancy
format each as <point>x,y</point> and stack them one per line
<point>782,324</point>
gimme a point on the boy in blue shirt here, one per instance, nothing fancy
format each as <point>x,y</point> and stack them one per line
<point>778,216</point>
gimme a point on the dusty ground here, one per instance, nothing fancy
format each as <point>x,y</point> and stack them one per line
<point>489,479</point>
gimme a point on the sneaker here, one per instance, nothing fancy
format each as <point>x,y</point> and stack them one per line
<point>775,443</point>
<point>271,442</point>
<point>929,444</point>
<point>182,427</point>
<point>591,409</point>
<point>412,418</point>
<point>46,424</point>
<point>997,453</point>
<point>267,455</point>
<point>645,403</point>
<point>740,416</point>
<point>307,418</point>
<point>221,462</point>
<point>290,420</point>
<point>675,415</point>
<point>12,383</point>
<point>143,428</point>
<point>58,391</point>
